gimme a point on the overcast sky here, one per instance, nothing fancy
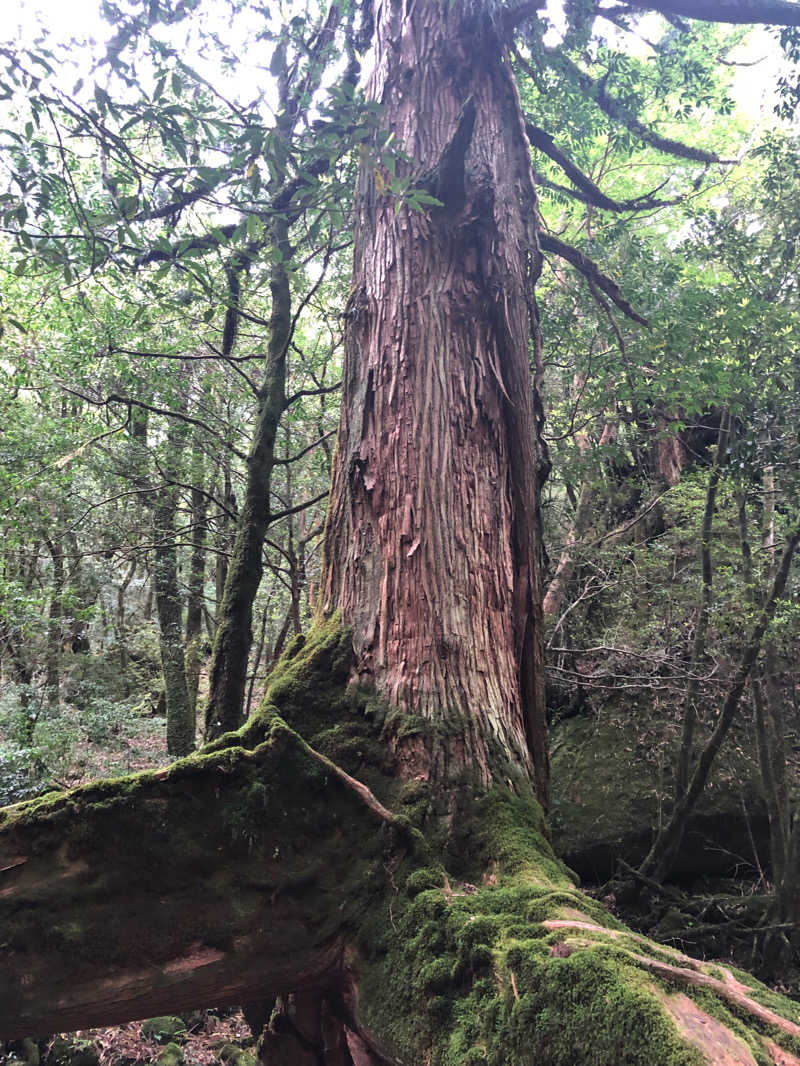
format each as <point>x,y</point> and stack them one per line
<point>80,18</point>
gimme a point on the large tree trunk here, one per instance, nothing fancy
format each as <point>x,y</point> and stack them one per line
<point>430,544</point>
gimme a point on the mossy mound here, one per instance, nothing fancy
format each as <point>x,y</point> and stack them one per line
<point>66,1052</point>
<point>610,789</point>
<point>231,1055</point>
<point>170,1055</point>
<point>524,968</point>
<point>164,1029</point>
<point>460,974</point>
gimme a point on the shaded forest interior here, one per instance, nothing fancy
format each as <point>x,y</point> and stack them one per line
<point>399,412</point>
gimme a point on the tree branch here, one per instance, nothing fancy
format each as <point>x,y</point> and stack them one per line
<point>274,517</point>
<point>590,270</point>
<point>592,194</point>
<point>619,113</point>
<point>740,12</point>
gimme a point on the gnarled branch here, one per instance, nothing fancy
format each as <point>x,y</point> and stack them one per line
<point>591,271</point>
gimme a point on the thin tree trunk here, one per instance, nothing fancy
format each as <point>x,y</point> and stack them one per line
<point>169,606</point>
<point>559,583</point>
<point>15,651</point>
<point>55,632</point>
<point>686,750</point>
<point>658,860</point>
<point>225,538</point>
<point>122,627</point>
<point>197,574</point>
<point>257,657</point>
<point>777,842</point>
<point>233,635</point>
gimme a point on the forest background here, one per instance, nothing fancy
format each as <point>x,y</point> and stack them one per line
<point>177,271</point>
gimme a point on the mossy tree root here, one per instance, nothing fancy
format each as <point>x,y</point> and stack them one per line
<point>271,865</point>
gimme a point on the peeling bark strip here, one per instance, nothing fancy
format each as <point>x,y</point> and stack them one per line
<point>430,540</point>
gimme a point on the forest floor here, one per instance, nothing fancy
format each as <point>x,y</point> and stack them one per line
<point>205,1038</point>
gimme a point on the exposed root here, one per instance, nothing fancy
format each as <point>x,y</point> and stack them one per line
<point>779,1056</point>
<point>714,1040</point>
<point>368,797</point>
<point>729,989</point>
<point>691,973</point>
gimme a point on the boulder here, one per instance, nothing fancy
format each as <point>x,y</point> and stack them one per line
<point>612,776</point>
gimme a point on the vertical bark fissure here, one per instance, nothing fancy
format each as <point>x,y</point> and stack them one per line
<point>430,545</point>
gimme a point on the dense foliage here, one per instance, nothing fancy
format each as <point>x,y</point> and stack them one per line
<point>176,220</point>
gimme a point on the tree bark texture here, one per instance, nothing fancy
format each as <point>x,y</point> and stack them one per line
<point>430,544</point>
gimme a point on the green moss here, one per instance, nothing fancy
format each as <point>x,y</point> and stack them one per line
<point>421,880</point>
<point>64,1051</point>
<point>611,779</point>
<point>164,1029</point>
<point>437,975</point>
<point>761,994</point>
<point>170,1055</point>
<point>501,829</point>
<point>455,983</point>
<point>232,1055</point>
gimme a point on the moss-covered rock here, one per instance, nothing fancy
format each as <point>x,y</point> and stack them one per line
<point>76,1052</point>
<point>164,1029</point>
<point>612,775</point>
<point>232,1055</point>
<point>170,1055</point>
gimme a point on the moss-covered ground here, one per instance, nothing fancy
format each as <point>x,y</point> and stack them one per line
<point>465,937</point>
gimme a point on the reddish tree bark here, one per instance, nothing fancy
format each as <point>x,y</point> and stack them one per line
<point>430,545</point>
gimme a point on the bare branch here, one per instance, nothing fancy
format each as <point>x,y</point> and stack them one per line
<point>740,12</point>
<point>590,270</point>
<point>298,507</point>
<point>309,448</point>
